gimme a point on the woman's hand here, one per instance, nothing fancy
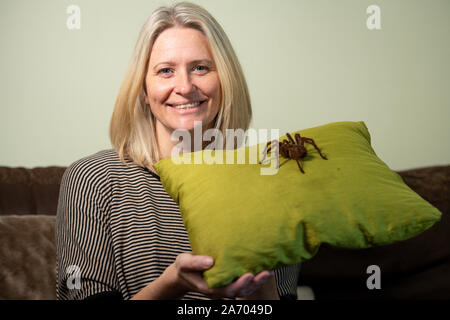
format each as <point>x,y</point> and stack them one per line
<point>185,275</point>
<point>188,269</point>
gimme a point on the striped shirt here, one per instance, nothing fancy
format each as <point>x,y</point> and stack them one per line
<point>117,230</point>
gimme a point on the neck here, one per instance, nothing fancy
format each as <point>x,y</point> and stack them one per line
<point>166,145</point>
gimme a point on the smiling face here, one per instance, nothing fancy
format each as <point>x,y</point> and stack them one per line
<point>182,82</point>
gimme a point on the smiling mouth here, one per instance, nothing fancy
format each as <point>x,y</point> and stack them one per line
<point>187,106</point>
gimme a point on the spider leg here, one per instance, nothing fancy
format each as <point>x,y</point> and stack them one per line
<point>290,138</point>
<point>311,141</point>
<point>299,139</point>
<point>267,149</point>
<point>277,152</point>
<point>300,167</point>
<point>278,160</point>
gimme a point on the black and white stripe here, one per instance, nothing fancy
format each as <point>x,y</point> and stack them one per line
<point>119,226</point>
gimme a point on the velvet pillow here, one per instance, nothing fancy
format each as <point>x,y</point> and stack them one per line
<point>249,222</point>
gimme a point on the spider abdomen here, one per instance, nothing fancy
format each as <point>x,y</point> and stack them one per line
<point>297,153</point>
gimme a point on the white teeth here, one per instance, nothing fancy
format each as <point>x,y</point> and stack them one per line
<point>190,105</point>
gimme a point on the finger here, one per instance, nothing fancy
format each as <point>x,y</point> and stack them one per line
<point>189,269</point>
<point>201,285</point>
<point>258,281</point>
<point>187,262</point>
<point>194,280</point>
<point>233,290</point>
<point>262,277</point>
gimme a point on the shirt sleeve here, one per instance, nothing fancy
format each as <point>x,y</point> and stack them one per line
<point>287,281</point>
<point>84,252</point>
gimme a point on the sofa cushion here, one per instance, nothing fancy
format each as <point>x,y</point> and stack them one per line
<point>27,257</point>
<point>25,191</point>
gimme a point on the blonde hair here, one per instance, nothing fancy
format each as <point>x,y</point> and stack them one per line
<point>132,127</point>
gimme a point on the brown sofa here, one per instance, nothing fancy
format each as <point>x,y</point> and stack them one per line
<point>418,268</point>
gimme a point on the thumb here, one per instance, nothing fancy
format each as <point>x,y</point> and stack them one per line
<point>188,262</point>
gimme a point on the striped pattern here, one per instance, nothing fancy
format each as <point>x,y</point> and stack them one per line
<point>121,229</point>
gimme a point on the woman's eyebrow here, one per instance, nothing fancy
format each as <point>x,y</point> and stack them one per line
<point>205,61</point>
<point>170,63</point>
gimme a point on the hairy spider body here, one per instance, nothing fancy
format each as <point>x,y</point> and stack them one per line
<point>291,149</point>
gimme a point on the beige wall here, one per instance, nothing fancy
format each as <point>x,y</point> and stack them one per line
<point>307,63</point>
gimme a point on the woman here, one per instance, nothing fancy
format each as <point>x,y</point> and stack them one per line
<point>119,234</point>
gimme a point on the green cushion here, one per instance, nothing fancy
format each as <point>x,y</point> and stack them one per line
<point>250,222</point>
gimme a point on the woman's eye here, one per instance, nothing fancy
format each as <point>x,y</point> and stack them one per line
<point>201,68</point>
<point>165,70</point>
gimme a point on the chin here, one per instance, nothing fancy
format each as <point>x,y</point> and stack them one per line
<point>190,125</point>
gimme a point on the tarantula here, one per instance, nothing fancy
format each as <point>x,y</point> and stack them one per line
<point>292,149</point>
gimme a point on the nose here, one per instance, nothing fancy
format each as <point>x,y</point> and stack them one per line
<point>183,83</point>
